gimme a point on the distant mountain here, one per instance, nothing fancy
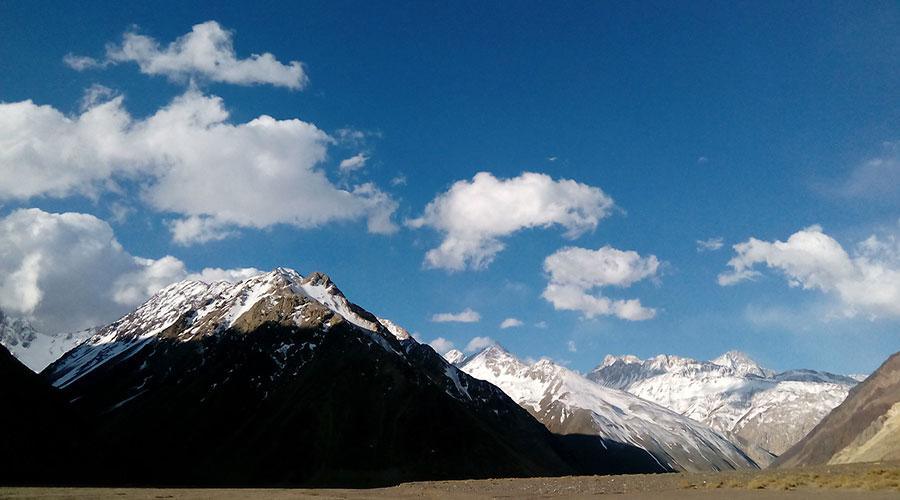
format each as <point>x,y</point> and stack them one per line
<point>571,405</point>
<point>763,412</point>
<point>864,428</point>
<point>454,356</point>
<point>38,430</point>
<point>33,348</point>
<point>280,379</point>
<point>742,364</point>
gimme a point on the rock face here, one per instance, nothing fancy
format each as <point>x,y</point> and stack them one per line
<point>763,412</point>
<point>35,349</point>
<point>864,428</point>
<point>280,379</point>
<point>39,438</point>
<point>571,405</point>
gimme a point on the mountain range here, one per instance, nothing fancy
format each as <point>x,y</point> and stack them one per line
<point>279,379</point>
<point>570,404</point>
<point>34,348</point>
<point>763,412</point>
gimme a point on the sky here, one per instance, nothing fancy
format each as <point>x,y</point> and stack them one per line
<point>569,180</point>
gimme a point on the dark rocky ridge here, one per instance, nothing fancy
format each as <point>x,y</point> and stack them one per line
<point>292,393</point>
<point>40,433</point>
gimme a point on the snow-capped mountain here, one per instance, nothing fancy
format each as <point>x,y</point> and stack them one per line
<point>33,348</point>
<point>454,356</point>
<point>763,412</point>
<point>279,379</point>
<point>742,364</point>
<point>568,403</point>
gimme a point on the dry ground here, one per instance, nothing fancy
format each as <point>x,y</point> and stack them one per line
<point>853,481</point>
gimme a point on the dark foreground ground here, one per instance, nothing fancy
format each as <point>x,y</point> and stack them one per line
<point>863,481</point>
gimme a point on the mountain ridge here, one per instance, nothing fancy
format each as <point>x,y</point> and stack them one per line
<point>279,363</point>
<point>763,411</point>
<point>568,403</point>
<point>863,428</point>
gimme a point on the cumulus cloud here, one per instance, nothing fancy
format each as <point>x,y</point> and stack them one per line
<point>710,245</point>
<point>441,345</point>
<point>479,343</point>
<point>866,281</point>
<point>355,162</point>
<point>510,323</point>
<point>575,272</point>
<point>67,271</point>
<point>206,53</point>
<point>465,316</point>
<point>475,215</point>
<point>215,175</point>
<point>570,345</point>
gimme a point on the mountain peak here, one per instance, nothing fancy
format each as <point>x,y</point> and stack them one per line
<point>454,356</point>
<point>741,363</point>
<point>318,278</point>
<point>610,360</point>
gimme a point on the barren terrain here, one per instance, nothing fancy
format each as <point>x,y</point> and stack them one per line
<point>868,481</point>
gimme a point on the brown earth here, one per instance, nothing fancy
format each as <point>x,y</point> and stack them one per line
<point>874,481</point>
<point>853,423</point>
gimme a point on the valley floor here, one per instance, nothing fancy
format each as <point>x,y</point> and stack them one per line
<point>852,481</point>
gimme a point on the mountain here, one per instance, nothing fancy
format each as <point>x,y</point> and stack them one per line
<point>33,348</point>
<point>742,364</point>
<point>280,380</point>
<point>864,428</point>
<point>763,412</point>
<point>570,404</point>
<point>455,357</point>
<point>39,430</point>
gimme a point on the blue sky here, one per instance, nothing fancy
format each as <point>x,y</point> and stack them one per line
<point>705,121</point>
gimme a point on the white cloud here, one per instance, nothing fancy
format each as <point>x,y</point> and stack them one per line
<point>479,343</point>
<point>541,324</point>
<point>441,345</point>
<point>198,229</point>
<point>68,272</point>
<point>711,244</point>
<point>81,63</point>
<point>510,323</point>
<point>868,281</point>
<point>570,345</point>
<point>574,272</point>
<point>206,53</point>
<point>353,163</point>
<point>474,215</point>
<point>399,180</point>
<point>190,161</point>
<point>465,316</point>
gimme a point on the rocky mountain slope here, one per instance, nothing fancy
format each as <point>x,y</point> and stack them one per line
<point>280,379</point>
<point>864,428</point>
<point>33,348</point>
<point>39,438</point>
<point>570,404</point>
<point>763,412</point>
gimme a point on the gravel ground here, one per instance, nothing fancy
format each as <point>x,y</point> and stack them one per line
<point>853,481</point>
